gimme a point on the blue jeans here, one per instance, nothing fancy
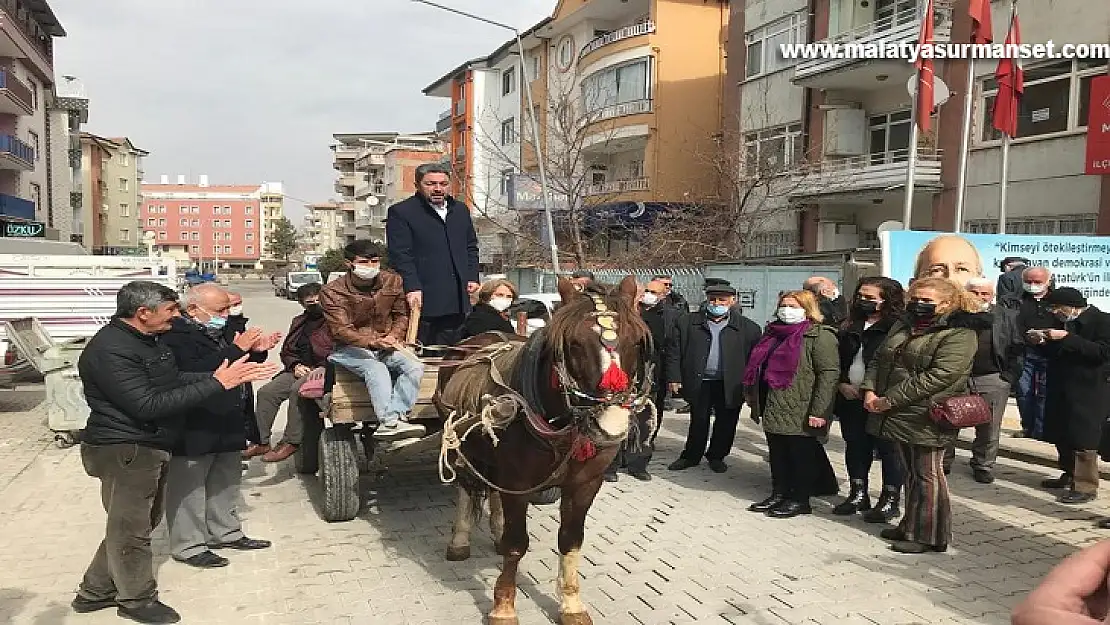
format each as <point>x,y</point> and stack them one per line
<point>1031,394</point>
<point>390,398</point>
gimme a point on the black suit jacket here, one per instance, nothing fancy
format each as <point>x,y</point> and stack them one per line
<point>433,255</point>
<point>688,351</point>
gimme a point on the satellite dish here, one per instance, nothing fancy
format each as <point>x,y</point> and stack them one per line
<point>372,200</point>
<point>638,212</point>
<point>889,226</point>
<point>941,92</point>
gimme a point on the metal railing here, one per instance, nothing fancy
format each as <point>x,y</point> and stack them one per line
<point>926,156</point>
<point>634,107</point>
<point>619,186</point>
<point>625,32</point>
<point>13,146</point>
<point>20,15</point>
<point>17,88</point>
<point>891,22</point>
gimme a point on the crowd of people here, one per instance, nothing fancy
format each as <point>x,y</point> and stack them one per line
<point>173,413</point>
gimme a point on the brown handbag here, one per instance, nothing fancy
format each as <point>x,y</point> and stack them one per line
<point>961,411</point>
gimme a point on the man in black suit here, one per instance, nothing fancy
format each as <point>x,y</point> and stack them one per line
<point>432,244</point>
<point>829,298</point>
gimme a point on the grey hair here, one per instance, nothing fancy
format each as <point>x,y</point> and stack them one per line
<point>431,168</point>
<point>142,294</point>
<point>196,294</point>
<point>980,282</point>
<point>1025,272</point>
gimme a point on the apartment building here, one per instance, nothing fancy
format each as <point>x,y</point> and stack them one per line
<point>110,194</point>
<point>70,110</point>
<point>323,227</point>
<point>209,225</point>
<point>385,173</point>
<point>28,136</point>
<point>838,130</point>
<point>272,198</point>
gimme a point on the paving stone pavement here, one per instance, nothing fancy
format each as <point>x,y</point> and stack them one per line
<point>680,549</point>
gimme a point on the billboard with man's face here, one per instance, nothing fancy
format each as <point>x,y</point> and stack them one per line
<point>1082,262</point>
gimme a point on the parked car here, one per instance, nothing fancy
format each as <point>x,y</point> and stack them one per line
<point>294,280</point>
<point>538,307</point>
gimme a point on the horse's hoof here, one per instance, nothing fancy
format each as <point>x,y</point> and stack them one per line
<point>503,620</point>
<point>578,618</point>
<point>458,554</point>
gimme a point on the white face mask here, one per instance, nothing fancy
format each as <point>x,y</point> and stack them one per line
<point>1033,288</point>
<point>790,315</point>
<point>364,272</point>
<point>501,304</point>
<point>235,311</point>
<point>650,299</point>
<point>834,294</point>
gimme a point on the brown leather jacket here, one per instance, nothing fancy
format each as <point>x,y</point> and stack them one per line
<point>361,317</point>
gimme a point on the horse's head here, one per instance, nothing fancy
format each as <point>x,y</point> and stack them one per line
<point>601,351</point>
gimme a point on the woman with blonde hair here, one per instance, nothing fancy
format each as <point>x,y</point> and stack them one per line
<point>791,381</point>
<point>490,314</point>
<point>926,358</point>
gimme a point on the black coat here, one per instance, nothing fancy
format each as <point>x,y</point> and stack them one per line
<point>834,311</point>
<point>1009,290</point>
<point>1078,395</point>
<point>662,320</point>
<point>688,351</point>
<point>135,392</point>
<point>216,425</point>
<point>852,336</point>
<point>432,255</point>
<point>237,324</point>
<point>484,318</point>
<point>1007,342</point>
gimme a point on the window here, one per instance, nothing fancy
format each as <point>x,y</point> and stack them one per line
<point>215,223</point>
<point>123,159</point>
<point>162,236</point>
<point>195,249</point>
<point>250,210</point>
<point>635,170</point>
<point>775,149</point>
<point>506,181</point>
<point>508,81</point>
<point>227,223</point>
<point>892,13</point>
<point>508,131</point>
<point>162,223</point>
<point>215,236</point>
<point>194,236</point>
<point>34,137</point>
<point>249,223</point>
<point>195,223</point>
<point>150,221</point>
<point>535,67</point>
<point>194,209</point>
<point>890,137</point>
<point>227,210</point>
<point>250,249</point>
<point>227,236</point>
<point>125,210</point>
<point>184,222</point>
<point>250,236</point>
<point>1065,224</point>
<point>215,249</point>
<point>622,84</point>
<point>763,44</point>
<point>227,249</point>
<point>1056,99</point>
<point>34,87</point>
<point>125,235</point>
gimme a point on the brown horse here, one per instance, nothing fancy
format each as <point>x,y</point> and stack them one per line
<point>586,373</point>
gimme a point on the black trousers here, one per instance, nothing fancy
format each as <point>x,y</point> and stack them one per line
<point>795,465</point>
<point>635,456</point>
<point>442,330</point>
<point>710,400</point>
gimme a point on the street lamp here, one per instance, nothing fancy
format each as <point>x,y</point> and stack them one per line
<point>531,118</point>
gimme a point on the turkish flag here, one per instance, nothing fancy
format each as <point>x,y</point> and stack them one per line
<point>1011,85</point>
<point>1098,128</point>
<point>925,73</point>
<point>980,12</point>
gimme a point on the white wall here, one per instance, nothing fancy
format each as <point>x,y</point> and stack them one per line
<point>491,156</point>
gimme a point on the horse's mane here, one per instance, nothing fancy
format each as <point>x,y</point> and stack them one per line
<point>568,317</point>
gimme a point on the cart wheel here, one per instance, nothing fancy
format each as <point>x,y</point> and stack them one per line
<point>339,474</point>
<point>306,460</point>
<point>64,440</point>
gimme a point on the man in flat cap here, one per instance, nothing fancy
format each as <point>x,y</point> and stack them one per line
<point>705,362</point>
<point>1078,394</point>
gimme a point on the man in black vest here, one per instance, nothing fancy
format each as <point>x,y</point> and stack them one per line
<point>432,244</point>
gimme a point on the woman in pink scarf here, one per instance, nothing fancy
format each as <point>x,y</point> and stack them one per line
<point>791,380</point>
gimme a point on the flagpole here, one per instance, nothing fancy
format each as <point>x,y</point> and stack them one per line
<point>911,160</point>
<point>1004,183</point>
<point>965,146</point>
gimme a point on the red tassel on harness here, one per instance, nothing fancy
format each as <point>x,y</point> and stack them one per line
<point>614,380</point>
<point>584,449</point>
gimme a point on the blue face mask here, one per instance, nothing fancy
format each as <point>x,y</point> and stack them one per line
<point>717,310</point>
<point>216,323</point>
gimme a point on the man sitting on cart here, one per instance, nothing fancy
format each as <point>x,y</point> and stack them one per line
<point>368,317</point>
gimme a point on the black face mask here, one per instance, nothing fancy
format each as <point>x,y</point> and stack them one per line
<point>866,306</point>
<point>313,310</point>
<point>922,310</point>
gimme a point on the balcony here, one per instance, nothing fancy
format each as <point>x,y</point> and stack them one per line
<point>620,34</point>
<point>883,172</point>
<point>853,71</point>
<point>624,109</point>
<point>15,96</point>
<point>12,206</point>
<point>24,38</point>
<point>443,123</point>
<point>15,154</point>
<point>366,189</point>
<point>615,187</point>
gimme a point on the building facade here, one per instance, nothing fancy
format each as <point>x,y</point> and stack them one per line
<point>272,197</point>
<point>324,227</point>
<point>111,170</point>
<point>29,139</point>
<point>71,110</point>
<point>838,130</point>
<point>210,225</point>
